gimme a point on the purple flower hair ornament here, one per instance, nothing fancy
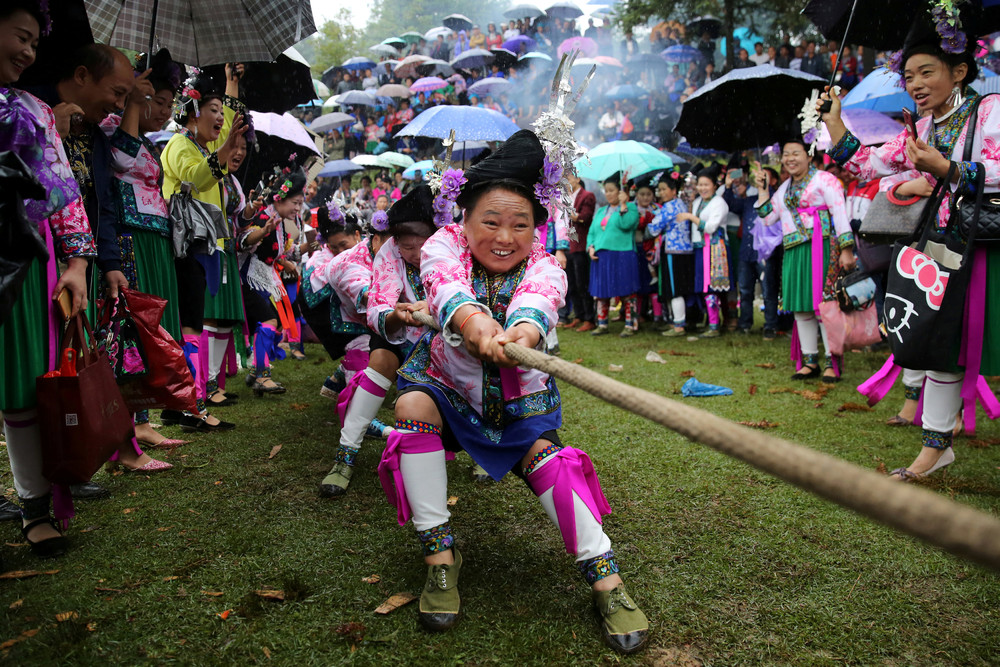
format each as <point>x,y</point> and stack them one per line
<point>43,8</point>
<point>451,184</point>
<point>334,212</point>
<point>380,221</point>
<point>547,189</point>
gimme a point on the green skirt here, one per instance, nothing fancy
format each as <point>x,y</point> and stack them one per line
<point>24,341</point>
<point>797,278</point>
<point>227,304</point>
<point>154,273</point>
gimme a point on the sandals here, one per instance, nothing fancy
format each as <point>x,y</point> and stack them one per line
<point>50,548</point>
<point>907,475</point>
<point>813,373</point>
<point>897,420</point>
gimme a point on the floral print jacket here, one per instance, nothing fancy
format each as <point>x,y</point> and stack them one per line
<point>393,281</point>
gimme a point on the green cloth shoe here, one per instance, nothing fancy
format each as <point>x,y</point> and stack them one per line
<point>711,333</point>
<point>675,333</point>
<point>626,333</point>
<point>336,481</point>
<point>625,627</point>
<point>439,602</point>
<point>600,330</point>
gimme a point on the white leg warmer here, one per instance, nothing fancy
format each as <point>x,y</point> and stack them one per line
<point>913,378</point>
<point>808,327</point>
<point>678,307</point>
<point>942,400</point>
<point>426,479</point>
<point>24,449</point>
<point>364,405</point>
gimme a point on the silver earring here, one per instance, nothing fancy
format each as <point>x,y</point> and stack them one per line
<point>956,98</point>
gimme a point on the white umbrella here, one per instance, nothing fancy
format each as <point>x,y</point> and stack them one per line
<point>331,121</point>
<point>366,160</point>
<point>285,126</point>
<point>432,34</point>
<point>384,50</point>
<point>394,159</point>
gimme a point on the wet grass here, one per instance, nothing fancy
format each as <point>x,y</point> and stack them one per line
<point>732,566</point>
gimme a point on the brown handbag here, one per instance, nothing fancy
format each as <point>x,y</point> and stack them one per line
<point>890,218</point>
<point>81,413</point>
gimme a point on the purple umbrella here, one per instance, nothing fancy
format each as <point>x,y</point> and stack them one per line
<point>428,84</point>
<point>584,45</point>
<point>519,43</point>
<point>871,127</point>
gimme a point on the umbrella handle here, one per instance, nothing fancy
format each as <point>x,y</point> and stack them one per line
<point>828,105</point>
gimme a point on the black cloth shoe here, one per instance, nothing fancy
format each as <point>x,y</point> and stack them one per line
<point>50,548</point>
<point>196,424</point>
<point>171,417</point>
<point>9,511</point>
<point>88,491</point>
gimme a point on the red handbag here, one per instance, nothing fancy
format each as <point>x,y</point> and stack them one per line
<point>169,383</point>
<point>81,413</point>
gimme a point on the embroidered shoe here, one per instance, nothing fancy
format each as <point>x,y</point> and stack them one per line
<point>439,601</point>
<point>623,624</point>
<point>336,481</point>
<point>377,429</point>
<point>331,389</point>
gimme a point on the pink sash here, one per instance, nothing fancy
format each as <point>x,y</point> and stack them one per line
<point>974,386</point>
<point>360,379</point>
<point>567,470</point>
<point>818,250</point>
<point>388,468</point>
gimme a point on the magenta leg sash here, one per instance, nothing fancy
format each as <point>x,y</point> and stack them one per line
<point>388,468</point>
<point>355,360</point>
<point>796,347</point>
<point>566,471</point>
<point>974,387</point>
<point>359,379</point>
<point>880,384</point>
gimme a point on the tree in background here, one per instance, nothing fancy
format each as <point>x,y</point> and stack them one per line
<point>755,14</point>
<point>335,42</point>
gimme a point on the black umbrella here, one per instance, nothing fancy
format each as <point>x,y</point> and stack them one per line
<point>275,87</point>
<point>747,108</point>
<point>699,25</point>
<point>505,58</point>
<point>457,22</point>
<point>332,76</point>
<point>70,31</point>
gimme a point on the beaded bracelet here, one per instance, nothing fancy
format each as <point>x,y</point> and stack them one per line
<point>462,325</point>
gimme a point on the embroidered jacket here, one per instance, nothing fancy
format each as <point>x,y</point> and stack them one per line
<point>533,292</point>
<point>138,180</point>
<point>713,216</point>
<point>818,190</point>
<point>393,281</point>
<point>350,276</point>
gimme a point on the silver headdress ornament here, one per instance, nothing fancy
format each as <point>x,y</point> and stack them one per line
<point>555,132</point>
<point>446,184</point>
<point>188,94</point>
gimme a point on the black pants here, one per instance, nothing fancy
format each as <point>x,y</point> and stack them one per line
<point>191,284</point>
<point>578,278</point>
<point>318,319</point>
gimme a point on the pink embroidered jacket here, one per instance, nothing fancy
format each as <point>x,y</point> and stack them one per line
<point>446,266</point>
<point>350,276</point>
<point>392,283</point>
<point>823,198</point>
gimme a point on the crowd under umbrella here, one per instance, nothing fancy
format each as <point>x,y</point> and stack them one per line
<point>255,30</point>
<point>435,67</point>
<point>585,45</point>
<point>339,168</point>
<point>393,90</point>
<point>330,76</point>
<point>428,84</point>
<point>493,85</point>
<point>626,91</point>
<point>523,11</point>
<point>870,127</point>
<point>394,41</point>
<point>564,9</point>
<point>432,34</point>
<point>457,22</point>
<point>332,121</point>
<point>519,44</point>
<point>747,108</point>
<point>278,137</point>
<point>408,65</point>
<point>700,25</point>
<point>612,157</point>
<point>276,86</point>
<point>384,50</point>
<point>679,54</point>
<point>421,168</point>
<point>472,59</point>
<point>469,124</point>
<point>878,91</point>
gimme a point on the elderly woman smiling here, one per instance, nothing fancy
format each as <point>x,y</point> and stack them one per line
<point>489,284</point>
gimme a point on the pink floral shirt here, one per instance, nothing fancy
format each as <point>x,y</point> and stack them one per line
<point>392,283</point>
<point>350,276</point>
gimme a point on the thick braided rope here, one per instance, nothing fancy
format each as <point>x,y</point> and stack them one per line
<point>950,525</point>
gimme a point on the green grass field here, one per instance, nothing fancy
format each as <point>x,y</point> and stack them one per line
<point>730,565</point>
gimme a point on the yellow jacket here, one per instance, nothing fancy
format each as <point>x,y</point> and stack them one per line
<point>183,162</point>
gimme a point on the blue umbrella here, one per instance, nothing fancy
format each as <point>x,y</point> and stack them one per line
<point>358,63</point>
<point>745,38</point>
<point>354,97</point>
<point>469,123</point>
<point>681,53</point>
<point>605,160</point>
<point>878,91</point>
<point>626,91</point>
<point>339,168</point>
<point>423,167</point>
<point>465,150</point>
<point>515,44</point>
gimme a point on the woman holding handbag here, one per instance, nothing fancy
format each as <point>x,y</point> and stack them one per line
<point>199,154</point>
<point>29,336</point>
<point>956,141</point>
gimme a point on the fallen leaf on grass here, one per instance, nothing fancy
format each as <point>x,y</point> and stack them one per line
<point>66,616</point>
<point>271,594</point>
<point>578,361</point>
<point>395,602</point>
<point>983,443</point>
<point>452,501</point>
<point>853,407</point>
<point>164,529</point>
<point>267,652</point>
<point>25,574</point>
<point>217,482</point>
<point>20,638</point>
<point>374,579</point>
<point>782,390</point>
<point>615,368</point>
<point>88,529</point>
<point>274,451</point>
<point>214,594</point>
<point>767,365</point>
<point>16,603</point>
<point>753,390</point>
<point>655,358</point>
<point>761,424</point>
<point>675,353</point>
<point>687,374</point>
<point>817,395</point>
<point>16,545</point>
<point>172,577</point>
<point>128,510</point>
<point>299,407</point>
<point>92,626</point>
<point>881,469</point>
<point>352,632</point>
<point>224,614</point>
<point>108,590</point>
